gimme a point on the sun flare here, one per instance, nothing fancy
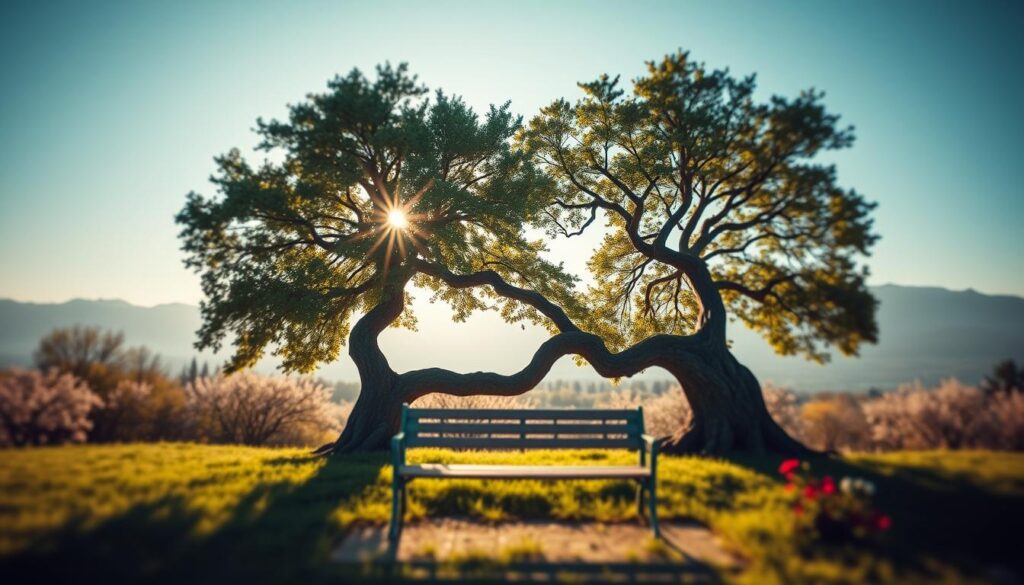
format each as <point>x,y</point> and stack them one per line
<point>397,219</point>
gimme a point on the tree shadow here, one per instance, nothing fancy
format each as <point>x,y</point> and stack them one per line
<point>279,532</point>
<point>935,515</point>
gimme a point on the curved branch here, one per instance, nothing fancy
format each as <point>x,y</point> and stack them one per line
<point>659,350</point>
<point>500,286</point>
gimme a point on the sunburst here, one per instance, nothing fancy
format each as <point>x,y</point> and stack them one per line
<point>399,225</point>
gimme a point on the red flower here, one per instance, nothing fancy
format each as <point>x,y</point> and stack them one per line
<point>798,509</point>
<point>828,487</point>
<point>789,466</point>
<point>884,523</point>
<point>810,492</point>
<point>790,487</point>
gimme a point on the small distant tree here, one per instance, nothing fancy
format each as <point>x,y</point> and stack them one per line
<point>86,352</point>
<point>1006,377</point>
<point>39,408</point>
<point>189,373</point>
<point>246,408</point>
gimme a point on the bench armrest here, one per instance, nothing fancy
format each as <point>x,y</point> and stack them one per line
<point>651,445</point>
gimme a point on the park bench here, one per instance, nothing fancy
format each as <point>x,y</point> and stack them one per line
<point>493,429</point>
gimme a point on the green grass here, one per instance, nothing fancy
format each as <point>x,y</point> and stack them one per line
<point>201,514</point>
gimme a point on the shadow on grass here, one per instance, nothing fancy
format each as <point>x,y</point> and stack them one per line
<point>278,533</point>
<point>935,515</point>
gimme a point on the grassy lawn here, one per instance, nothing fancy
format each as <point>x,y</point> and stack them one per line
<point>196,514</point>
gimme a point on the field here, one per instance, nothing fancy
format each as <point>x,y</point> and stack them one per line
<point>181,513</point>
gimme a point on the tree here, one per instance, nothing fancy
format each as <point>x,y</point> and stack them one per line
<point>39,408</point>
<point>712,202</point>
<point>372,186</point>
<point>1006,377</point>
<point>86,352</point>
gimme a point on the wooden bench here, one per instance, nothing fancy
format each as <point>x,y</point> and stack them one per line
<point>490,429</point>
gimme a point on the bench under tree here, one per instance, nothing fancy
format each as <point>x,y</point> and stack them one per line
<point>493,429</point>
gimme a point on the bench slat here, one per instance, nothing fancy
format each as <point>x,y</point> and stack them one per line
<point>521,414</point>
<point>525,471</point>
<point>484,443</point>
<point>527,428</point>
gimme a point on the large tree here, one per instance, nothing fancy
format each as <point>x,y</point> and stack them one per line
<point>713,201</point>
<point>368,187</point>
<point>710,200</point>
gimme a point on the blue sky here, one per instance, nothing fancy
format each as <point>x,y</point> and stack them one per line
<point>111,112</point>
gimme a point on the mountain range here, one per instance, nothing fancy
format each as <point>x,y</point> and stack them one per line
<point>926,334</point>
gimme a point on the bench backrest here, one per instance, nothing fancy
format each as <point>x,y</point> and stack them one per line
<point>523,429</point>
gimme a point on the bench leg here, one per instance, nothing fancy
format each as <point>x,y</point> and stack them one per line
<point>397,508</point>
<point>640,487</point>
<point>654,507</point>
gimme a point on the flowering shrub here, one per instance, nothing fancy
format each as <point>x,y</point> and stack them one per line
<point>251,409</point>
<point>825,511</point>
<point>44,409</point>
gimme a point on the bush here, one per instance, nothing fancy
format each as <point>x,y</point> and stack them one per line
<point>140,402</point>
<point>830,424</point>
<point>950,416</point>
<point>44,409</point>
<point>246,408</point>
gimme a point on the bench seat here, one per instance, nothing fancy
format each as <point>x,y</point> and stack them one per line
<point>525,471</point>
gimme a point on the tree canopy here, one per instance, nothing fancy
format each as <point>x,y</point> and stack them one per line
<point>364,186</point>
<point>695,177</point>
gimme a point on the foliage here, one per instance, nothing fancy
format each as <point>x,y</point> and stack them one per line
<point>825,511</point>
<point>139,401</point>
<point>833,423</point>
<point>1006,376</point>
<point>693,175</point>
<point>292,247</point>
<point>39,408</point>
<point>951,415</point>
<point>249,409</point>
<point>179,513</point>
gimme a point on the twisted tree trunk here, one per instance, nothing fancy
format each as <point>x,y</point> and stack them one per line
<point>728,409</point>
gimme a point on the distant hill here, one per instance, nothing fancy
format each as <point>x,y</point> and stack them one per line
<point>926,333</point>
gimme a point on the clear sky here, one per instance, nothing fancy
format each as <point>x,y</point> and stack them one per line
<point>111,112</point>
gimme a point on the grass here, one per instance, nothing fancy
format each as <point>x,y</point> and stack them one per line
<point>194,514</point>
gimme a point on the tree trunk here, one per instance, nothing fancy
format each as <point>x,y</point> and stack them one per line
<point>728,408</point>
<point>377,410</point>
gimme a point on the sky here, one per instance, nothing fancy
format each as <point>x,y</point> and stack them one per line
<point>111,112</point>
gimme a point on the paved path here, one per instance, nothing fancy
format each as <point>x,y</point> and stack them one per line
<point>558,542</point>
